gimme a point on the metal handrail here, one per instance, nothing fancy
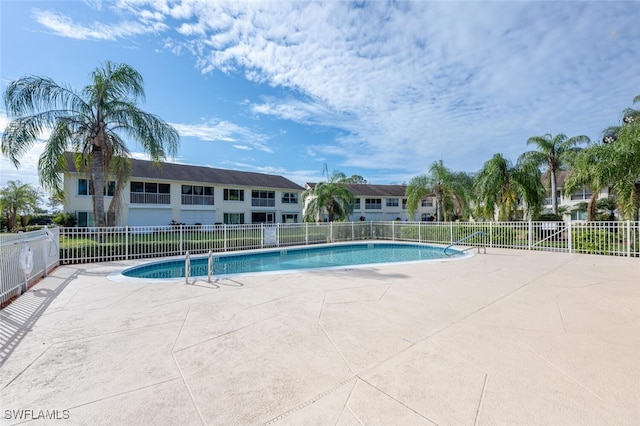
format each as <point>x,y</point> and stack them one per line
<point>466,238</point>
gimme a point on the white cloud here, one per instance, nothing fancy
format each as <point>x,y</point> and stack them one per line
<point>223,131</point>
<point>64,26</point>
<point>406,82</point>
<point>414,81</point>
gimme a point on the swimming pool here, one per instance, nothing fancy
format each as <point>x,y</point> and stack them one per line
<point>294,258</point>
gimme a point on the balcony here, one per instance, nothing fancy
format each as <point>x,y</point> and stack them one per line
<point>149,198</point>
<point>197,200</point>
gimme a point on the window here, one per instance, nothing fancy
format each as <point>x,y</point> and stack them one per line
<point>197,195</point>
<point>85,219</point>
<point>548,201</point>
<point>289,198</point>
<point>263,198</point>
<point>427,202</point>
<point>263,217</point>
<point>356,206</point>
<point>85,187</point>
<point>233,195</point>
<point>289,218</point>
<point>373,203</point>
<point>578,215</point>
<point>404,204</point>
<point>392,202</point>
<point>150,192</point>
<point>234,218</point>
<point>582,194</point>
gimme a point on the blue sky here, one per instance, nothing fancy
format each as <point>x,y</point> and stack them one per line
<point>377,89</point>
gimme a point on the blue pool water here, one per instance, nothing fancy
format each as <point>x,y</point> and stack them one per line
<point>293,258</point>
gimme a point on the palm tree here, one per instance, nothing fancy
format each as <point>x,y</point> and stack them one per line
<point>501,186</point>
<point>18,198</point>
<point>447,187</point>
<point>331,196</point>
<point>553,152</point>
<point>594,167</point>
<point>93,123</point>
<point>615,165</point>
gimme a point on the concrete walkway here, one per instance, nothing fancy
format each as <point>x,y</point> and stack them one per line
<point>504,338</point>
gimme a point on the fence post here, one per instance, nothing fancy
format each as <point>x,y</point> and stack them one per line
<point>224,235</point>
<point>628,238</point>
<point>419,232</point>
<point>306,232</point>
<point>353,235</point>
<point>569,237</point>
<point>491,234</point>
<point>126,242</point>
<point>262,235</point>
<point>530,239</point>
<point>331,231</point>
<point>451,233</point>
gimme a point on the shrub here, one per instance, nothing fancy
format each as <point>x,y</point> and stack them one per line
<point>65,219</point>
<point>594,241</point>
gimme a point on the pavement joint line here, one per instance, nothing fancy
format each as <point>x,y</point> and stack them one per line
<point>336,348</point>
<point>329,337</point>
<point>555,367</point>
<point>127,295</point>
<point>484,388</point>
<point>184,321</point>
<point>93,336</point>
<point>564,323</point>
<point>184,380</point>
<point>397,400</point>
<point>459,320</point>
<point>354,416</point>
<point>124,393</point>
<point>308,402</point>
<point>226,334</point>
<point>26,368</point>
<point>346,402</point>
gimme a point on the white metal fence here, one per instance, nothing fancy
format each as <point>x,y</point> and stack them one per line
<point>25,258</point>
<point>79,245</point>
<point>50,247</point>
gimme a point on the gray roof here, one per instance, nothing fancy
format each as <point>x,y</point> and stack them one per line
<point>367,190</point>
<point>143,169</point>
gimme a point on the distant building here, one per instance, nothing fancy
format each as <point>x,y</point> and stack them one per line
<point>159,194</point>
<point>572,201</point>
<point>385,202</point>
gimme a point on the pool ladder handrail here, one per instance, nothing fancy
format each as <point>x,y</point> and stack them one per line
<point>484,247</point>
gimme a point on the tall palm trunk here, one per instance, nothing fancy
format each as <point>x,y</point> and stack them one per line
<point>439,206</point>
<point>97,177</point>
<point>554,189</point>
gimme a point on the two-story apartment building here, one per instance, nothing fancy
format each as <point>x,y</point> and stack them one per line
<point>385,202</point>
<point>165,193</point>
<point>571,201</point>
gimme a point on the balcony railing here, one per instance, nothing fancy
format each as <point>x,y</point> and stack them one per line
<point>197,200</point>
<point>149,198</point>
<point>263,202</point>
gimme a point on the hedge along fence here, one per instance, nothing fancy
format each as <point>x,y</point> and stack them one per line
<point>79,245</point>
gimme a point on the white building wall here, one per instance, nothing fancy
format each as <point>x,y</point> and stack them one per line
<point>135,214</point>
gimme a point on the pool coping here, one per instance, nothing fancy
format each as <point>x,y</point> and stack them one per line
<point>464,252</point>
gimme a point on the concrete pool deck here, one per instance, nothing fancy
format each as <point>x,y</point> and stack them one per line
<point>508,337</point>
